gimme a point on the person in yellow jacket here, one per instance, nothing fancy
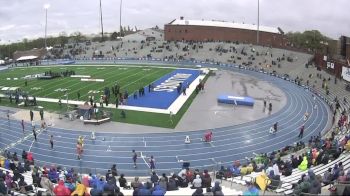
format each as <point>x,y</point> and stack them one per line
<point>2,161</point>
<point>262,180</point>
<point>79,190</point>
<point>347,146</point>
<point>303,164</point>
<point>244,170</point>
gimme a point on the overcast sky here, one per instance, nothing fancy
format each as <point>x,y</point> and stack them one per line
<point>26,18</point>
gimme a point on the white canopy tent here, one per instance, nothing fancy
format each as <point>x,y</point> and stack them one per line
<point>26,58</point>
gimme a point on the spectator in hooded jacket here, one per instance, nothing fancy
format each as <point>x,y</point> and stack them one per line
<point>335,173</point>
<point>80,190</point>
<point>197,183</point>
<point>61,190</point>
<point>135,184</point>
<point>158,191</point>
<point>53,175</point>
<point>122,181</point>
<point>198,192</point>
<point>46,184</point>
<point>154,178</point>
<point>173,183</point>
<point>143,191</point>
<point>3,189</point>
<point>327,177</point>
<point>206,179</point>
<point>163,183</point>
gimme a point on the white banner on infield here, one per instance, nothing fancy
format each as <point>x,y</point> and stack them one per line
<point>92,80</point>
<point>80,76</point>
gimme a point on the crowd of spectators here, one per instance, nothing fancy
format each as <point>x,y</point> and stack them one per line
<point>56,180</point>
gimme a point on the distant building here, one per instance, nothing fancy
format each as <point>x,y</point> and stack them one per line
<point>202,30</point>
<point>345,47</point>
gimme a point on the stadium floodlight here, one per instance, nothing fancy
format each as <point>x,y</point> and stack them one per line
<point>46,7</point>
<point>120,17</point>
<point>257,32</point>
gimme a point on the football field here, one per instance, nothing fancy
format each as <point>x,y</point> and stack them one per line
<point>128,78</point>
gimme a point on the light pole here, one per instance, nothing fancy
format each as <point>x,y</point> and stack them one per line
<point>257,32</point>
<point>101,21</point>
<point>46,7</point>
<point>120,17</point>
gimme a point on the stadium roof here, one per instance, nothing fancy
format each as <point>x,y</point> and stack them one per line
<point>225,24</point>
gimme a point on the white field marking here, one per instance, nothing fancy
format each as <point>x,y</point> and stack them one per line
<point>107,78</point>
<point>91,80</point>
<point>80,76</point>
<point>59,84</point>
<point>31,145</point>
<point>143,158</point>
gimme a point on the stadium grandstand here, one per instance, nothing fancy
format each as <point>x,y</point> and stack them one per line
<point>199,108</point>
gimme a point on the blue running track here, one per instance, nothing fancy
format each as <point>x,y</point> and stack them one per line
<point>229,144</point>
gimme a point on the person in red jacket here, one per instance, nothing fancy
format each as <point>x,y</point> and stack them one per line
<point>61,190</point>
<point>30,157</point>
<point>208,136</point>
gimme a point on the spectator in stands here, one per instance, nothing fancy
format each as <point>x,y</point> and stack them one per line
<point>303,164</point>
<point>235,170</point>
<point>61,190</point>
<point>217,190</point>
<point>114,170</point>
<point>206,179</point>
<point>173,183</point>
<point>252,190</point>
<point>198,192</point>
<point>327,177</point>
<point>80,189</point>
<point>154,178</point>
<point>24,155</point>
<point>342,177</point>
<point>197,183</point>
<point>158,191</point>
<point>163,182</point>
<point>336,172</point>
<point>302,186</point>
<point>111,187</point>
<point>244,170</point>
<point>3,189</point>
<point>276,169</point>
<point>135,184</point>
<point>315,188</point>
<point>46,184</point>
<point>122,181</point>
<point>287,169</point>
<point>30,158</point>
<point>275,181</point>
<point>8,180</point>
<point>53,175</point>
<point>22,185</point>
<point>142,190</point>
<point>208,192</point>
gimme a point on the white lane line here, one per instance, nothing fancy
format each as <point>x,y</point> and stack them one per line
<point>143,158</point>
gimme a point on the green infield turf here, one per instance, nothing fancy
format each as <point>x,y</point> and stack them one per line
<point>130,78</point>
